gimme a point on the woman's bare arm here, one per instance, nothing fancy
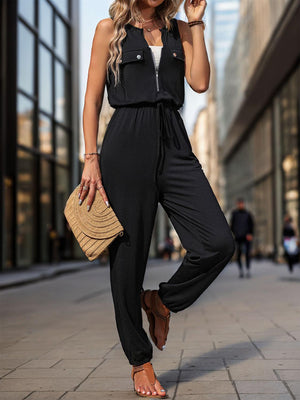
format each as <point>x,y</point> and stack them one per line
<point>96,83</point>
<point>197,68</point>
<point>91,175</point>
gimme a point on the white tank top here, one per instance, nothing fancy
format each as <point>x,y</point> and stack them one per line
<point>156,53</point>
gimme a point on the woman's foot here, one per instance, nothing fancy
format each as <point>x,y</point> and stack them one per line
<point>146,382</point>
<point>158,316</point>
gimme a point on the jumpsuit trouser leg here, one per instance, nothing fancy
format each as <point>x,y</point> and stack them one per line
<point>146,158</point>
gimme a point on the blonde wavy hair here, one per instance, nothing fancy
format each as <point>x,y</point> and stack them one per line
<point>127,11</point>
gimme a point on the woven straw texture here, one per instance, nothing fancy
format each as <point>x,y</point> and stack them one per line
<point>94,229</point>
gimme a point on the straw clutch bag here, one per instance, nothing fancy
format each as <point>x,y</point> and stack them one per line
<point>94,229</point>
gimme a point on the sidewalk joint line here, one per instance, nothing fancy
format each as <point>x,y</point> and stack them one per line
<point>230,378</point>
<point>285,384</point>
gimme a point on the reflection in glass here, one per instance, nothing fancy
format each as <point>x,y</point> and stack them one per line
<point>62,145</point>
<point>45,22</point>
<point>62,6</point>
<point>25,208</point>
<point>290,149</point>
<point>46,214</point>
<point>25,108</point>
<point>25,67</point>
<point>45,135</point>
<point>62,192</point>
<point>61,93</point>
<point>45,79</point>
<point>26,9</point>
<point>61,39</point>
<point>8,222</point>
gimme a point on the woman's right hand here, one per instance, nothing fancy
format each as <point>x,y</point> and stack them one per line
<point>91,179</point>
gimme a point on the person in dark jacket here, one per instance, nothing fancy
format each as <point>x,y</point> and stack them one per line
<point>242,226</point>
<point>290,242</point>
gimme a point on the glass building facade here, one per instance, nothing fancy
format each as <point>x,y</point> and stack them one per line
<point>39,121</point>
<point>260,152</point>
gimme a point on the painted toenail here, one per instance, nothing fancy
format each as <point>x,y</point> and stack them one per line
<point>163,347</point>
<point>162,390</point>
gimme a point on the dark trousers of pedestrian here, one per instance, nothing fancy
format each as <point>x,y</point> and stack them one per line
<point>146,159</point>
<point>291,259</point>
<point>243,246</point>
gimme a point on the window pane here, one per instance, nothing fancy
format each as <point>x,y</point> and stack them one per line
<point>61,39</point>
<point>62,94</point>
<point>45,135</point>
<point>45,22</point>
<point>290,149</point>
<point>62,6</point>
<point>45,80</point>
<point>25,59</point>
<point>64,232</point>
<point>62,194</point>
<point>46,212</point>
<point>25,209</point>
<point>8,222</point>
<point>25,110</point>
<point>26,9</point>
<point>62,145</point>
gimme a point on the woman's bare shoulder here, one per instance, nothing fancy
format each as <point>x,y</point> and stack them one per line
<point>183,28</point>
<point>105,26</point>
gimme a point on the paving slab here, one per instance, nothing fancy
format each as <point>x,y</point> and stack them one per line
<point>260,387</point>
<point>45,396</point>
<point>265,397</point>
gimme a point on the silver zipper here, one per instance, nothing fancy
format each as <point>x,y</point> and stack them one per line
<point>157,84</point>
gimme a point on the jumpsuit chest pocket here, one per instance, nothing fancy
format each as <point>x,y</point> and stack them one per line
<point>129,56</point>
<point>178,54</point>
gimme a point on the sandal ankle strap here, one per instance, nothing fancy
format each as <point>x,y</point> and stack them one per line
<point>148,368</point>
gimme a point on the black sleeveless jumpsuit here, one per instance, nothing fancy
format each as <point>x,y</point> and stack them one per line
<point>146,158</point>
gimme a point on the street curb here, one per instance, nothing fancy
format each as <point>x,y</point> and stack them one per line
<point>35,274</point>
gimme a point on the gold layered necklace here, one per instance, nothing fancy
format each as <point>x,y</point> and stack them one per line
<point>143,21</point>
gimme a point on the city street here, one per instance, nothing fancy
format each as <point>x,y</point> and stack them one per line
<point>239,340</point>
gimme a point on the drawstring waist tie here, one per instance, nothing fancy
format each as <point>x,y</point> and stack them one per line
<point>167,133</point>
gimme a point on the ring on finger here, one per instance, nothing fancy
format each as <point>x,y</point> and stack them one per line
<point>99,187</point>
<point>85,187</point>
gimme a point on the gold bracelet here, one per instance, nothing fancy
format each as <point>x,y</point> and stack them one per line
<point>90,156</point>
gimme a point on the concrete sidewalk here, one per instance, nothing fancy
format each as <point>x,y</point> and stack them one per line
<point>37,272</point>
<point>239,340</point>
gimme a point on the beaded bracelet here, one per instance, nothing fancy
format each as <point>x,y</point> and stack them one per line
<point>85,154</point>
<point>89,156</point>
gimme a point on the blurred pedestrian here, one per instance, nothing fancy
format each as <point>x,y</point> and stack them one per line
<point>290,242</point>
<point>242,226</point>
<point>168,247</point>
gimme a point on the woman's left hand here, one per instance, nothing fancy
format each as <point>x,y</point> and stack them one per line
<point>194,9</point>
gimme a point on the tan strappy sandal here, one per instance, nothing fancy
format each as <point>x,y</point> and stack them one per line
<point>153,315</point>
<point>147,369</point>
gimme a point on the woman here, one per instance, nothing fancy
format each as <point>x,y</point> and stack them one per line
<point>146,158</point>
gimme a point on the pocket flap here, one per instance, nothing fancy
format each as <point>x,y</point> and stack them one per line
<point>178,53</point>
<point>132,55</point>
